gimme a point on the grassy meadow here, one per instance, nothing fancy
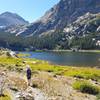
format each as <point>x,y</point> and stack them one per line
<point>79,72</point>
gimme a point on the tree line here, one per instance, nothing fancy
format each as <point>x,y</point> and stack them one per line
<point>56,40</point>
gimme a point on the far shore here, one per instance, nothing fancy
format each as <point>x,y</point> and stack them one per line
<point>60,50</point>
<point>95,51</point>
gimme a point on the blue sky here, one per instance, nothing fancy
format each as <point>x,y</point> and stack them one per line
<point>30,10</point>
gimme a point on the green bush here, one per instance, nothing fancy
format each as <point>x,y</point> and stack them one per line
<point>86,87</point>
<point>98,96</point>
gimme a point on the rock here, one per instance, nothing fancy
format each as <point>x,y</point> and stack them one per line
<point>98,29</point>
<point>11,54</point>
<point>7,53</point>
<point>25,96</point>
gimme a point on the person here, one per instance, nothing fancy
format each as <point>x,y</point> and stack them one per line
<point>28,75</point>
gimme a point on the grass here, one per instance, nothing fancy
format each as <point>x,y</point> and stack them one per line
<point>78,72</point>
<point>23,55</point>
<point>98,96</point>
<point>86,73</point>
<point>5,97</point>
<point>8,60</point>
<point>95,51</point>
<point>86,87</point>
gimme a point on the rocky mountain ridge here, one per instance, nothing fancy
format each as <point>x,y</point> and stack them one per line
<point>58,17</point>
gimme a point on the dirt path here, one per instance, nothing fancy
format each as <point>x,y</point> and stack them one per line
<point>36,93</point>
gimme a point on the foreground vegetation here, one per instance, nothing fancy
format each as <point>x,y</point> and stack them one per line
<point>6,96</point>
<point>86,87</point>
<point>79,72</point>
<point>85,80</point>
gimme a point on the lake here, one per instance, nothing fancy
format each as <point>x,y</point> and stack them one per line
<point>68,58</point>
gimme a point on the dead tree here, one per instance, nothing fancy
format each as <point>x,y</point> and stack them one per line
<point>3,79</point>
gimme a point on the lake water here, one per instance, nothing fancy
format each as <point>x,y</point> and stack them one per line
<point>68,58</point>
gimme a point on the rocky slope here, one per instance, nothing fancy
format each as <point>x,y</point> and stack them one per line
<point>9,19</point>
<point>60,16</point>
<point>88,23</point>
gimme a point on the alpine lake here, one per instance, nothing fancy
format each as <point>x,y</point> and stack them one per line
<point>91,59</point>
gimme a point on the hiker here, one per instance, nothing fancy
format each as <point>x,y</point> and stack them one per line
<point>28,75</point>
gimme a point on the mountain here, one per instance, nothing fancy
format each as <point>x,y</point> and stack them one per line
<point>69,24</point>
<point>59,16</point>
<point>11,19</point>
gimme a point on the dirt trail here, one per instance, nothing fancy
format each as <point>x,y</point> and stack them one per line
<point>37,94</point>
<point>60,86</point>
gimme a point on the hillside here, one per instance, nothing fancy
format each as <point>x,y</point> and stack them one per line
<point>87,24</point>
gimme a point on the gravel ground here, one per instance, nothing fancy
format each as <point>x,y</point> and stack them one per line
<point>48,88</point>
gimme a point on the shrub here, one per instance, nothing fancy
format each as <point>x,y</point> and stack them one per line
<point>14,89</point>
<point>86,87</point>
<point>50,70</point>
<point>98,96</point>
<point>35,85</point>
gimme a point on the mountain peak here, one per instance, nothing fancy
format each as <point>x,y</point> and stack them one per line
<point>7,13</point>
<point>8,19</point>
